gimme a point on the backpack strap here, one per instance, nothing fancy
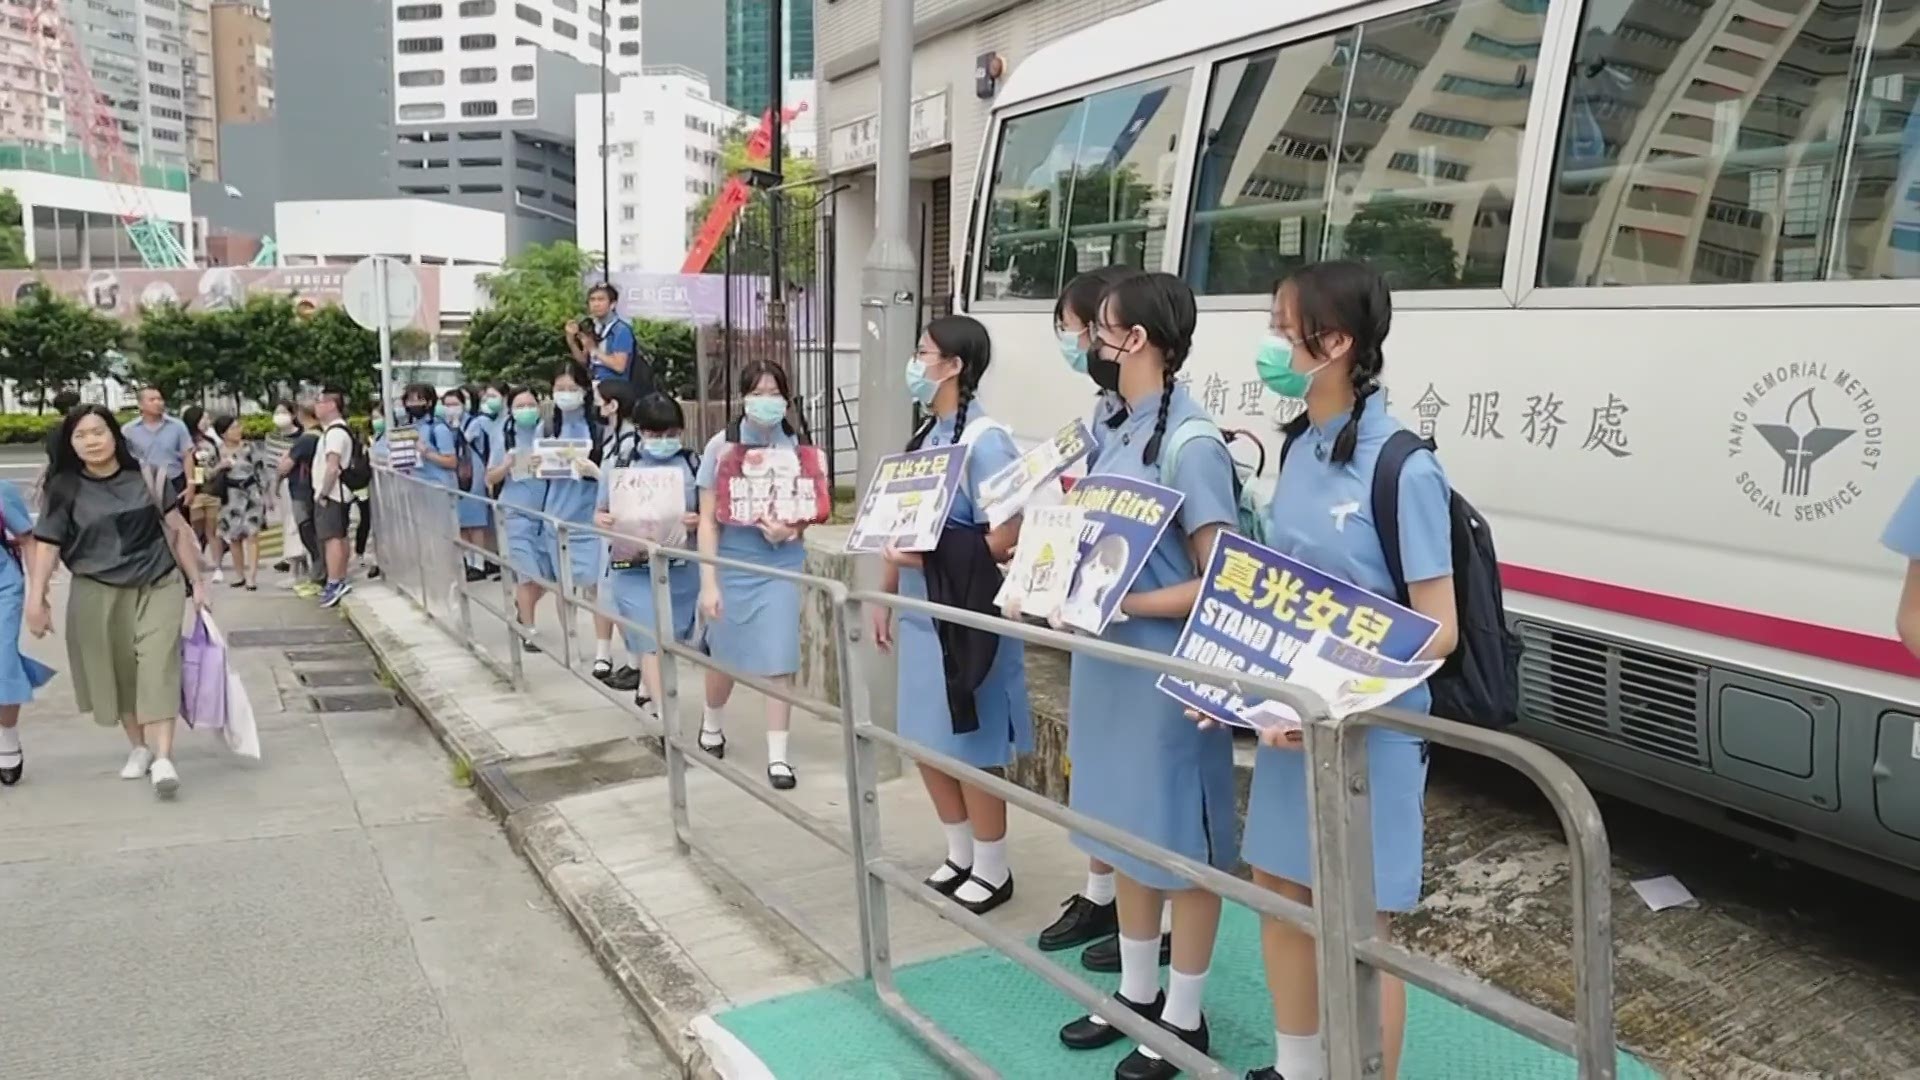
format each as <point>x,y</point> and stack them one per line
<point>972,432</point>
<point>1400,446</point>
<point>1193,427</point>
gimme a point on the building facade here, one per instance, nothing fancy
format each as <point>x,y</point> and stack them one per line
<point>750,45</point>
<point>198,72</point>
<point>664,115</point>
<point>243,62</point>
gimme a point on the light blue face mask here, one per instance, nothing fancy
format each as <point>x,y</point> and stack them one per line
<point>660,449</point>
<point>766,409</point>
<point>1070,350</point>
<point>919,387</point>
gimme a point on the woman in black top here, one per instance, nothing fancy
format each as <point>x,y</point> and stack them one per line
<point>126,546</point>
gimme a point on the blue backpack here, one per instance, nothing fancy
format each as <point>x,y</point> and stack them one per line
<point>1252,492</point>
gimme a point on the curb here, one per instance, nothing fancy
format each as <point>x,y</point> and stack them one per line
<point>652,969</point>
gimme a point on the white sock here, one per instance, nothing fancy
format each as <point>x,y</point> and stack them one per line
<point>1099,887</point>
<point>1298,1057</point>
<point>959,852</point>
<point>989,870</point>
<point>1166,917</point>
<point>602,650</point>
<point>1183,999</point>
<point>1139,969</point>
<point>710,721</point>
<point>776,747</point>
<point>9,747</point>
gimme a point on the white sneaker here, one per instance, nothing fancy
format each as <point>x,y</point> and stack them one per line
<point>219,576</point>
<point>139,760</point>
<point>166,780</point>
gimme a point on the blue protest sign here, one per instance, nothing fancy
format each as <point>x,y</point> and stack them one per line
<point>1124,520</point>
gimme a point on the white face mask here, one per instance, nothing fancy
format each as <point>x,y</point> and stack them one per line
<point>282,421</point>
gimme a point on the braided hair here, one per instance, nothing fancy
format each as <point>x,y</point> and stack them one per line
<point>1162,305</point>
<point>1351,299</point>
<point>964,339</point>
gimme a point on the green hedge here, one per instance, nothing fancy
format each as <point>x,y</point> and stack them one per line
<point>18,429</point>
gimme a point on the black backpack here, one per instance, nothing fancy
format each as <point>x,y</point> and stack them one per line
<point>1479,683</point>
<point>357,471</point>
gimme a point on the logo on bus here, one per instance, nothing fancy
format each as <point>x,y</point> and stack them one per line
<point>1804,437</point>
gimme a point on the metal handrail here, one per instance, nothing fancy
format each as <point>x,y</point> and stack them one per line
<point>1350,953</point>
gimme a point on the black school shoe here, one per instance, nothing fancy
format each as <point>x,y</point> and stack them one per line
<point>1268,1073</point>
<point>1138,1066</point>
<point>994,898</point>
<point>957,876</point>
<point>1081,922</point>
<point>10,777</point>
<point>1104,956</point>
<point>603,670</point>
<point>623,679</point>
<point>1091,1033</point>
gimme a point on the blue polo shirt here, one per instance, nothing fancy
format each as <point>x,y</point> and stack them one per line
<point>163,446</point>
<point>615,336</point>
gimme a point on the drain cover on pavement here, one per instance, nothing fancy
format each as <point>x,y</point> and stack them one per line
<point>356,701</point>
<point>341,677</point>
<point>295,635</point>
<point>327,656</point>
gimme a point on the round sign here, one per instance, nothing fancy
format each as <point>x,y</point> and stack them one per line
<point>360,292</point>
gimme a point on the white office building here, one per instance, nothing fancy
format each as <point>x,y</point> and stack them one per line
<point>464,58</point>
<point>663,117</point>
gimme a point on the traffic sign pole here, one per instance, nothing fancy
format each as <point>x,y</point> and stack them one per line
<point>385,319</point>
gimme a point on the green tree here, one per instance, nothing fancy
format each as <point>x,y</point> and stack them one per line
<point>336,351</point>
<point>257,348</point>
<point>178,351</point>
<point>800,203</point>
<point>1401,242</point>
<point>13,233</point>
<point>48,341</point>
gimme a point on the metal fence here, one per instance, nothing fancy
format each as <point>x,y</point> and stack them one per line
<point>422,554</point>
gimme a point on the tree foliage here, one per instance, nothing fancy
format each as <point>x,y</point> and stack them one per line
<point>48,341</point>
<point>752,248</point>
<point>13,233</point>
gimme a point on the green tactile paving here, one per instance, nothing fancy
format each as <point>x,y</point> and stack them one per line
<point>1009,1017</point>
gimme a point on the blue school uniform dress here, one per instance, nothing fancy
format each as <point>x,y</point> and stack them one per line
<point>759,628</point>
<point>480,436</point>
<point>1314,520</point>
<point>435,435</point>
<point>530,546</point>
<point>573,501</point>
<point>20,675</point>
<point>1138,763</point>
<point>1903,532</point>
<point>1006,720</point>
<point>632,587</point>
<point>1104,407</point>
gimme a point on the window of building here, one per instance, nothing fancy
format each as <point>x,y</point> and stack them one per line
<point>527,191</point>
<point>479,162</point>
<point>416,12</point>
<point>629,22</point>
<point>524,107</point>
<point>628,181</point>
<point>1074,187</point>
<point>595,41</point>
<point>475,76</point>
<point>1347,146</point>
<point>565,176</point>
<point>1777,156</point>
<point>527,14</point>
<point>627,212</point>
<point>523,73</point>
<point>479,136</point>
<point>480,189</point>
<point>567,5</point>
<point>628,242</point>
<point>423,78</point>
<point>424,189</point>
<point>165,135</point>
<point>479,108</point>
<point>421,45</point>
<point>153,66</point>
<point>566,30</point>
<point>629,48</point>
<point>423,110</point>
<point>472,8</point>
<point>475,42</point>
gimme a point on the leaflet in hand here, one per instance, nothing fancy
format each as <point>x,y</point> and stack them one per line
<point>403,448</point>
<point>1262,613</point>
<point>1006,493</point>
<point>553,458</point>
<point>1123,520</point>
<point>786,485</point>
<point>908,501</point>
<point>1042,569</point>
<point>646,504</point>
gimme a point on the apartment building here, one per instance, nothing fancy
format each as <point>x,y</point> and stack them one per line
<point>243,62</point>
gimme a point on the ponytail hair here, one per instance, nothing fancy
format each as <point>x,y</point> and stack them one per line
<point>966,340</point>
<point>1162,305</point>
<point>1349,298</point>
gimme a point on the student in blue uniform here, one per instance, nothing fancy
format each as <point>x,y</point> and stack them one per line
<point>613,402</point>
<point>572,500</point>
<point>1329,323</point>
<point>753,622</point>
<point>474,447</point>
<point>1138,765</point>
<point>20,674</point>
<point>1088,916</point>
<point>529,545</point>
<point>1903,539</point>
<point>437,440</point>
<point>658,423</point>
<point>993,723</point>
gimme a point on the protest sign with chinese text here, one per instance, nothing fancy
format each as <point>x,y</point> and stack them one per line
<point>1006,493</point>
<point>1263,613</point>
<point>1043,563</point>
<point>646,504</point>
<point>908,501</point>
<point>553,458</point>
<point>403,448</point>
<point>786,485</point>
<point>1124,519</point>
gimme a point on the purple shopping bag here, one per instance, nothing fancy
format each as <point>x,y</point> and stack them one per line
<point>203,676</point>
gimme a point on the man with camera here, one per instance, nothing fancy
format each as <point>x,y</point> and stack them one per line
<point>606,343</point>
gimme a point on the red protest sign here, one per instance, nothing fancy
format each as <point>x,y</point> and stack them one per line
<point>786,485</point>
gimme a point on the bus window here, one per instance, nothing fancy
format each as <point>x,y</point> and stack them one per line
<point>1395,141</point>
<point>1719,141</point>
<point>1079,186</point>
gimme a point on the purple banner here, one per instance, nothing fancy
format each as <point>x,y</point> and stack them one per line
<point>695,298</point>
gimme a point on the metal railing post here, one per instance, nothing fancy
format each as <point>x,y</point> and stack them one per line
<point>563,544</point>
<point>668,706</point>
<point>1340,822</point>
<point>509,584</point>
<point>863,798</point>
<point>461,604</point>
<point>414,510</point>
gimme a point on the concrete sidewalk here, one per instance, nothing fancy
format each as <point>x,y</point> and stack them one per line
<point>345,908</point>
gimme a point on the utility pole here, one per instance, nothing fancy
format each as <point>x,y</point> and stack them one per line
<point>606,153</point>
<point>776,164</point>
<point>889,304</point>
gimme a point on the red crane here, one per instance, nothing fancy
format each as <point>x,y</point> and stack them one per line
<point>735,194</point>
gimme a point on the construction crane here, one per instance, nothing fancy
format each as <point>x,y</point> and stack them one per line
<point>91,123</point>
<point>735,194</point>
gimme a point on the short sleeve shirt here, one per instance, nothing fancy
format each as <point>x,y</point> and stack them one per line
<point>615,337</point>
<point>1903,532</point>
<point>300,480</point>
<point>162,446</point>
<point>335,440</point>
<point>108,529</point>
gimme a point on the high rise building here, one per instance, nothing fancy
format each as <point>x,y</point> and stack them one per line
<point>749,50</point>
<point>243,57</point>
<point>197,73</point>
